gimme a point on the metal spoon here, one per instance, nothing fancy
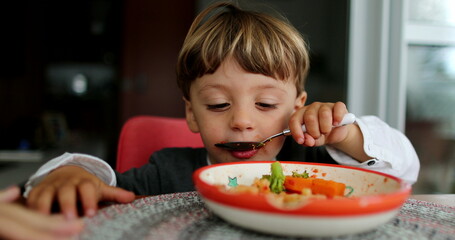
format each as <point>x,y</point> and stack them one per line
<point>245,146</point>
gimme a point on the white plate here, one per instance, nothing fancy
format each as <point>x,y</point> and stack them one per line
<point>376,199</point>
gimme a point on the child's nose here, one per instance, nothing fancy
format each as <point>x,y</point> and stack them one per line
<point>241,119</point>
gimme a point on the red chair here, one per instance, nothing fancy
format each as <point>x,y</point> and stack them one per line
<point>142,135</point>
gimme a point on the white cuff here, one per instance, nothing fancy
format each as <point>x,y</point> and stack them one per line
<point>92,164</point>
<point>391,151</point>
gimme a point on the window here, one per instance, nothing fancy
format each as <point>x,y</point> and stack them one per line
<point>430,91</point>
<point>402,69</point>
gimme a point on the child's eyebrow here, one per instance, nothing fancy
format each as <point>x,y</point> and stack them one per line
<point>258,87</point>
<point>211,86</point>
<point>270,86</point>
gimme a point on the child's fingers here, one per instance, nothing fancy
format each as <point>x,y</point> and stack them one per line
<point>60,226</point>
<point>309,140</point>
<point>18,230</point>
<point>313,142</point>
<point>31,199</point>
<point>117,194</point>
<point>20,223</point>
<point>325,119</point>
<point>311,120</point>
<point>67,201</point>
<point>33,219</point>
<point>89,197</point>
<point>10,194</point>
<point>44,199</point>
<point>319,119</point>
<point>295,125</point>
<point>339,110</point>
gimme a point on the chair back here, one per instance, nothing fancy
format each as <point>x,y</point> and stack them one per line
<point>143,135</point>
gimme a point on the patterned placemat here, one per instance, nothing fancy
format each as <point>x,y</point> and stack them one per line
<point>184,216</point>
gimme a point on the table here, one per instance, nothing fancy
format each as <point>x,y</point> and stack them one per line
<point>184,216</point>
<point>445,199</point>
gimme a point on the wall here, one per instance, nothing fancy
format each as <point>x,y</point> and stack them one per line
<point>153,34</point>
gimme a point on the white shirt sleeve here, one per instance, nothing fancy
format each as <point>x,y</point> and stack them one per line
<point>391,151</point>
<point>92,164</point>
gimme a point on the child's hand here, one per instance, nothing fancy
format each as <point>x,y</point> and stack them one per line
<point>18,222</point>
<point>319,119</point>
<point>68,184</point>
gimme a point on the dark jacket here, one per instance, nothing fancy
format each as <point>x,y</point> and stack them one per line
<point>170,170</point>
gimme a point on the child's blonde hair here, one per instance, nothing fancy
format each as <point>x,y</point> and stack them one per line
<point>258,42</point>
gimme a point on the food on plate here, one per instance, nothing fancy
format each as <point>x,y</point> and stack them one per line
<point>289,189</point>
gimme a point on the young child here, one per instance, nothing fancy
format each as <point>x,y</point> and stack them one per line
<point>242,76</point>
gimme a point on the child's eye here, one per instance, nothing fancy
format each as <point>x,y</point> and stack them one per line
<point>266,105</point>
<point>218,107</point>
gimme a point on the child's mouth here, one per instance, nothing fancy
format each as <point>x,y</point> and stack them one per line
<point>244,154</point>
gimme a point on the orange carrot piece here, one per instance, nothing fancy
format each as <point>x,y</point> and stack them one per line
<point>297,184</point>
<point>328,187</point>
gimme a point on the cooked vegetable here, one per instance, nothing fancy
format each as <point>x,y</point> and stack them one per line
<point>318,186</point>
<point>300,175</point>
<point>276,178</point>
<point>297,184</point>
<point>300,184</point>
<point>328,187</point>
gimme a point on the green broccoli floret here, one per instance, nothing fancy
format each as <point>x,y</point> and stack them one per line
<point>302,175</point>
<point>276,178</point>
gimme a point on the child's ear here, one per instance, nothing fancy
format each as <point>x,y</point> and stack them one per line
<point>300,100</point>
<point>190,119</point>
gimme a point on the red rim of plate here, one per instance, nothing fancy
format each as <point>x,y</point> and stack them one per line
<point>317,207</point>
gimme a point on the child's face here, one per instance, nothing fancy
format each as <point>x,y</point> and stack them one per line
<point>232,105</point>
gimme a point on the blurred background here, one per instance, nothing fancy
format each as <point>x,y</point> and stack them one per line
<point>72,72</point>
